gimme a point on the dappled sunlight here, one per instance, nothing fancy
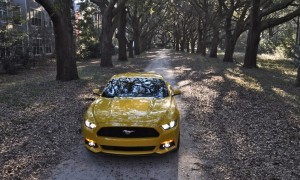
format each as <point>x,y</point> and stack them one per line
<point>276,56</point>
<point>95,62</point>
<point>184,83</point>
<point>152,56</point>
<point>40,107</point>
<point>183,68</point>
<point>230,97</point>
<point>244,80</point>
<point>283,94</point>
<point>10,84</point>
<point>81,66</point>
<point>217,79</point>
<point>279,66</point>
<point>235,120</point>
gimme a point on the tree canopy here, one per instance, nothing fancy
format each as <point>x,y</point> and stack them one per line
<point>196,26</point>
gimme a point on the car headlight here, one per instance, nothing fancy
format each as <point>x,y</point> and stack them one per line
<point>169,125</point>
<point>89,124</point>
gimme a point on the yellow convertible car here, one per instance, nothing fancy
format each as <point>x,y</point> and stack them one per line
<point>135,114</point>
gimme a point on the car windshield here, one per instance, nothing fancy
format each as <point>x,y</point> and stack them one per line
<point>136,87</point>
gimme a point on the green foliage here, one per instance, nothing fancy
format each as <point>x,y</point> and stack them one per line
<point>267,45</point>
<point>241,43</point>
<point>282,36</point>
<point>88,31</point>
<point>287,39</point>
<point>287,44</point>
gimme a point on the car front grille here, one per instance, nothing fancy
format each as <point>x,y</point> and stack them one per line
<point>121,148</point>
<point>127,132</point>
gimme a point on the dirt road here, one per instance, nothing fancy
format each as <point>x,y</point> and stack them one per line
<point>85,165</point>
<point>236,123</point>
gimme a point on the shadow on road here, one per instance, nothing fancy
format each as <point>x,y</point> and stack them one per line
<point>87,165</point>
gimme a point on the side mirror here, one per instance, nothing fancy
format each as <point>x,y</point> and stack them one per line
<point>96,92</point>
<point>176,92</point>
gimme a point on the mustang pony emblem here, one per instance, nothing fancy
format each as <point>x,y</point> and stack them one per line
<point>127,132</point>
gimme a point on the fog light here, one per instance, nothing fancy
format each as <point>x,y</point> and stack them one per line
<point>167,144</point>
<point>91,143</point>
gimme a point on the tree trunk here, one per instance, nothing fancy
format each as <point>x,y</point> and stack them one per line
<point>65,52</point>
<point>174,42</point>
<point>106,43</point>
<point>177,39</point>
<point>137,40</point>
<point>122,36</point>
<point>229,41</point>
<point>253,36</point>
<point>110,13</point>
<point>64,42</point>
<point>229,49</point>
<point>221,44</point>
<point>214,45</point>
<point>298,31</point>
<point>298,77</point>
<point>202,39</point>
<point>200,36</point>
<point>130,48</point>
<point>251,49</point>
<point>188,45</point>
<point>240,27</point>
<point>193,43</point>
<point>182,45</point>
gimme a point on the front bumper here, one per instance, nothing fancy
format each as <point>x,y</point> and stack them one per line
<point>166,141</point>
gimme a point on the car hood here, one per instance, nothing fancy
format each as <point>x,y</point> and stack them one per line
<point>130,110</point>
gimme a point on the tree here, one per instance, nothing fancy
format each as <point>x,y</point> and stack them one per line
<point>209,18</point>
<point>87,31</point>
<point>202,7</point>
<point>145,20</point>
<point>297,41</point>
<point>253,35</point>
<point>260,21</point>
<point>122,35</point>
<point>215,24</point>
<point>236,17</point>
<point>110,18</point>
<point>298,76</point>
<point>60,14</point>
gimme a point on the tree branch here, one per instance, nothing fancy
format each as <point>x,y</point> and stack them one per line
<point>102,4</point>
<point>275,8</point>
<point>119,8</point>
<point>276,21</point>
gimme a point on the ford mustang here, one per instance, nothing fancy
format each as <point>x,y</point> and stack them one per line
<point>135,114</point>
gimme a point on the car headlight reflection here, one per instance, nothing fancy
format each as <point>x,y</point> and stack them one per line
<point>89,124</point>
<point>169,125</point>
